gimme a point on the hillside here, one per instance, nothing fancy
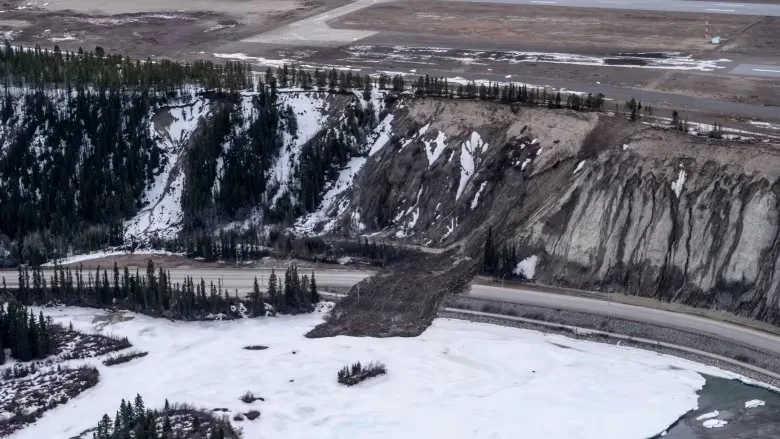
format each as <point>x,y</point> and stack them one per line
<point>519,182</point>
<point>587,200</point>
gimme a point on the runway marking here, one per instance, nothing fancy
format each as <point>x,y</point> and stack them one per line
<point>720,10</point>
<point>766,70</point>
<point>616,3</point>
<point>542,2</point>
<point>730,4</point>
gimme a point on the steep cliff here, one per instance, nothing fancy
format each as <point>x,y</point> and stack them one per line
<point>601,202</point>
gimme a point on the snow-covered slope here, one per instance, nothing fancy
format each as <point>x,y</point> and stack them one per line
<point>456,380</point>
<point>161,217</point>
<point>311,112</point>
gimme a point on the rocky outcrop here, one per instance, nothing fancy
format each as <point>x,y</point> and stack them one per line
<point>604,203</point>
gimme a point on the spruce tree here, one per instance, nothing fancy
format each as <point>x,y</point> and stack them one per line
<point>313,293</point>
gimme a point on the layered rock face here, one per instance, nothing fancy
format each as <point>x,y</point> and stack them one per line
<point>604,203</point>
<point>669,216</point>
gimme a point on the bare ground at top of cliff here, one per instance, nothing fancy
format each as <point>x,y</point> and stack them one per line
<point>401,300</point>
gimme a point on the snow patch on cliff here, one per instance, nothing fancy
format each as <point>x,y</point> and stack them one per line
<point>467,160</point>
<point>161,217</point>
<point>438,144</point>
<point>475,201</point>
<point>677,186</point>
<point>527,267</point>
<point>310,110</point>
<point>330,205</point>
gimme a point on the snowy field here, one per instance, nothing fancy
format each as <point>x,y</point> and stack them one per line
<point>457,380</point>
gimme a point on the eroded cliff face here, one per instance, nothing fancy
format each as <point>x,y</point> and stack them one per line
<point>669,216</point>
<point>604,203</point>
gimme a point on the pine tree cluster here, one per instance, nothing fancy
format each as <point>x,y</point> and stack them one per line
<point>27,336</point>
<point>322,160</point>
<point>250,245</point>
<point>78,151</point>
<point>134,420</point>
<point>294,293</point>
<point>38,68</point>
<point>154,294</point>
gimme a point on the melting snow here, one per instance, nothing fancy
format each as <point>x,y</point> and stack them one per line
<point>438,147</point>
<point>768,125</point>
<point>753,403</point>
<point>467,153</point>
<point>525,163</point>
<point>495,380</point>
<point>579,166</point>
<point>709,415</point>
<point>450,228</point>
<point>527,267</point>
<point>677,186</point>
<point>714,423</point>
<point>475,201</point>
<point>255,59</point>
<point>104,254</point>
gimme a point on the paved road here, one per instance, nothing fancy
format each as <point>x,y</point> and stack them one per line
<point>745,336</point>
<point>315,31</point>
<point>241,279</point>
<point>757,70</point>
<point>703,7</point>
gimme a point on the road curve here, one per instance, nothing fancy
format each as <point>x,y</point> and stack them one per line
<point>744,336</point>
<point>342,279</point>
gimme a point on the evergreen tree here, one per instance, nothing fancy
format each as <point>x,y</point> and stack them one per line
<point>314,294</point>
<point>490,257</point>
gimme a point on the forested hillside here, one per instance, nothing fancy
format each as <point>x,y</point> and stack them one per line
<point>77,147</point>
<point>99,150</point>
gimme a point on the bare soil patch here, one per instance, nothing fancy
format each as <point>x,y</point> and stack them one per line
<point>547,27</point>
<point>736,88</point>
<point>758,39</point>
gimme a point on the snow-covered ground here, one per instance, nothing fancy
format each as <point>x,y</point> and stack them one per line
<point>104,254</point>
<point>457,380</point>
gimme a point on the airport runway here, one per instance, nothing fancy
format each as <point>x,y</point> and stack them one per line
<point>757,70</point>
<point>701,7</point>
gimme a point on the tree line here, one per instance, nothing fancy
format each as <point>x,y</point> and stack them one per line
<point>39,69</point>
<point>28,337</point>
<point>153,293</point>
<point>134,420</point>
<point>251,245</point>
